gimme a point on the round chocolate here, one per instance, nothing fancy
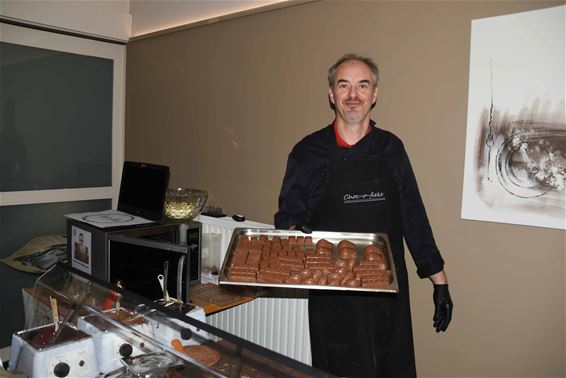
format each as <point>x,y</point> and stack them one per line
<point>323,251</point>
<point>351,263</point>
<point>293,279</point>
<point>346,244</point>
<point>317,274</point>
<point>352,283</point>
<point>373,257</point>
<point>349,276</point>
<point>326,271</point>
<point>340,263</point>
<point>325,243</point>
<point>305,273</point>
<point>332,276</point>
<point>373,248</point>
<point>347,253</point>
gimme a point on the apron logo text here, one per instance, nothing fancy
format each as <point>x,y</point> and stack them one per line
<point>366,197</point>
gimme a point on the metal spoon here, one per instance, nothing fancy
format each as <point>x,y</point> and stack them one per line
<point>161,279</point>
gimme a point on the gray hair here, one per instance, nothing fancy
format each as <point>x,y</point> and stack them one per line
<point>367,61</point>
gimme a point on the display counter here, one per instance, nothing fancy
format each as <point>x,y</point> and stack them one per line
<point>95,329</point>
<point>211,297</point>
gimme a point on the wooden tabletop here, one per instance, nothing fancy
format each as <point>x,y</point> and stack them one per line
<point>212,298</point>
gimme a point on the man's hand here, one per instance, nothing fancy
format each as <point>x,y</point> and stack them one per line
<point>303,228</point>
<point>442,307</point>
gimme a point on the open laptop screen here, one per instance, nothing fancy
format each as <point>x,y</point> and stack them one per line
<point>142,190</point>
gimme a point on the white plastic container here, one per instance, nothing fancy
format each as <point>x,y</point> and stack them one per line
<point>112,344</point>
<point>71,355</point>
<point>166,329</point>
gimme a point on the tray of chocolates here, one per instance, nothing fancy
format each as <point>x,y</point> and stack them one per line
<point>320,260</point>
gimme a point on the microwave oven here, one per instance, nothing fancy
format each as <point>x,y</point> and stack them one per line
<point>138,263</point>
<point>136,256</point>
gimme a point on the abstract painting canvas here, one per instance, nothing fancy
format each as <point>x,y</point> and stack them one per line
<point>515,163</point>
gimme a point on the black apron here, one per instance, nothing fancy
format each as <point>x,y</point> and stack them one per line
<point>361,334</point>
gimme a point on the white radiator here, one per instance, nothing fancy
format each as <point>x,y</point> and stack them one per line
<point>280,324</point>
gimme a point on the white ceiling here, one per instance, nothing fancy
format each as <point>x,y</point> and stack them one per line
<point>152,15</point>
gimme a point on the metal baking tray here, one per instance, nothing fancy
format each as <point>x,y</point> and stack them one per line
<point>361,240</point>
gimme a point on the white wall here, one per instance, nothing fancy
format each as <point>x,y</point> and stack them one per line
<point>108,19</point>
<point>122,19</point>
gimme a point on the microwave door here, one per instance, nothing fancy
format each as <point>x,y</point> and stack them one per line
<point>137,262</point>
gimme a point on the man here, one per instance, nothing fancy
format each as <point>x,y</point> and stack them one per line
<point>81,250</point>
<point>360,334</point>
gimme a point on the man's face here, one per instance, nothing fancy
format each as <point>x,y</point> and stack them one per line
<point>353,93</point>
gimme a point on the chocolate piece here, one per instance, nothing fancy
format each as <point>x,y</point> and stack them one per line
<point>317,274</point>
<point>375,285</point>
<point>202,353</point>
<point>294,261</point>
<point>237,269</point>
<point>340,263</point>
<point>240,256</point>
<point>242,277</point>
<point>332,276</point>
<point>325,243</point>
<point>352,283</point>
<point>347,253</point>
<point>374,257</point>
<point>293,279</point>
<point>346,244</point>
<point>271,278</point>
<point>373,248</point>
<point>322,266</point>
<point>351,264</point>
<point>323,251</point>
<point>305,273</point>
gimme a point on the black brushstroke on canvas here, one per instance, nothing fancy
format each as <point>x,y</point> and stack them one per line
<point>532,163</point>
<point>489,138</point>
<point>531,151</point>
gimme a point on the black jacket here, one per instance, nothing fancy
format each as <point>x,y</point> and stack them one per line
<point>306,176</point>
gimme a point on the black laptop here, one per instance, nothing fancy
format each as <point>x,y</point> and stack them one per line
<point>142,190</point>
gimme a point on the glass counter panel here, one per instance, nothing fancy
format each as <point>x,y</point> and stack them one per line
<point>117,333</point>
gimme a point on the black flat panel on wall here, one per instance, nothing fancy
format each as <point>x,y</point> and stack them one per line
<point>56,119</point>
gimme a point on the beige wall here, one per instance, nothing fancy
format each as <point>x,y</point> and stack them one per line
<point>149,16</point>
<point>223,104</point>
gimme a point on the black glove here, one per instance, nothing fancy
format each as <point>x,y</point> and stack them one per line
<point>442,307</point>
<point>303,228</point>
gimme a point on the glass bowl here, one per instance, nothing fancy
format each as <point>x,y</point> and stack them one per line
<point>184,203</point>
